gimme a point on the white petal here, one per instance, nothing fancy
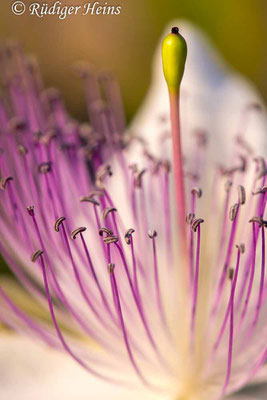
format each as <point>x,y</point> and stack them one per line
<point>29,371</point>
<point>213,98</point>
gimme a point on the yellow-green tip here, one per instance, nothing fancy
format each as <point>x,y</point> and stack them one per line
<point>174,51</point>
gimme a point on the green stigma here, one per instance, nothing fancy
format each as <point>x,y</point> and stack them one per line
<point>174,51</point>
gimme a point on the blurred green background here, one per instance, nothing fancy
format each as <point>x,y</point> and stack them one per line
<point>125,43</point>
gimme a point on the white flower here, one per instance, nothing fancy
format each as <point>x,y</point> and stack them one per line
<point>134,324</point>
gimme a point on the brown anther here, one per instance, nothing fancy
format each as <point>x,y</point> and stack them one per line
<point>233,212</point>
<point>262,169</point>
<point>138,178</point>
<point>17,124</point>
<point>241,248</point>
<point>45,167</point>
<point>108,210</point>
<point>152,234</point>
<point>240,168</point>
<point>77,231</point>
<point>166,165</point>
<point>195,223</point>
<point>4,181</point>
<point>197,191</point>
<point>30,210</point>
<point>58,222</point>
<point>259,221</point>
<point>254,106</point>
<point>241,194</point>
<point>231,273</point>
<point>189,218</point>
<point>260,190</point>
<point>101,174</point>
<point>128,235</point>
<point>90,200</point>
<point>22,150</point>
<point>110,239</point>
<point>227,186</point>
<point>46,139</point>
<point>105,230</point>
<point>201,137</point>
<point>134,168</point>
<point>36,255</point>
<point>111,267</point>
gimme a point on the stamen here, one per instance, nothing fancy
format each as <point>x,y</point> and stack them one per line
<point>195,227</point>
<point>118,308</point>
<point>4,181</point>
<point>58,331</point>
<point>230,345</point>
<point>241,195</point>
<point>129,240</point>
<point>77,274</point>
<point>251,279</point>
<point>262,278</point>
<point>241,250</point>
<point>233,216</point>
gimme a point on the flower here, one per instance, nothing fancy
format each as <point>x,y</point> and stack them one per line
<point>88,228</point>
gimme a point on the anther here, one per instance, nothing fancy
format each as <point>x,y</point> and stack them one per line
<point>166,165</point>
<point>4,181</point>
<point>101,174</point>
<point>241,248</point>
<point>231,273</point>
<point>152,234</point>
<point>108,210</point>
<point>128,235</point>
<point>58,223</point>
<point>195,223</point>
<point>30,210</point>
<point>259,221</point>
<point>77,231</point>
<point>260,190</point>
<point>138,178</point>
<point>233,212</point>
<point>255,106</point>
<point>189,218</point>
<point>262,170</point>
<point>90,200</point>
<point>17,124</point>
<point>134,168</point>
<point>105,230</point>
<point>201,137</point>
<point>227,186</point>
<point>22,150</point>
<point>197,191</point>
<point>45,167</point>
<point>110,239</point>
<point>241,194</point>
<point>36,255</point>
<point>111,268</point>
<point>46,139</point>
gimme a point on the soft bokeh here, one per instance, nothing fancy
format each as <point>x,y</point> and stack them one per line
<point>125,43</point>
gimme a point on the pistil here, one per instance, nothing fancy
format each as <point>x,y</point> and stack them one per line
<point>174,51</point>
